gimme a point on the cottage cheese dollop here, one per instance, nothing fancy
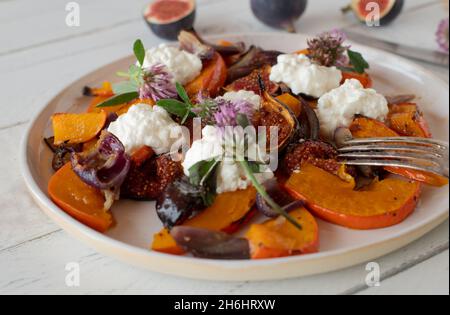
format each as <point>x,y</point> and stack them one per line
<point>242,95</point>
<point>339,107</point>
<point>144,125</point>
<point>183,66</point>
<point>231,177</point>
<point>304,77</point>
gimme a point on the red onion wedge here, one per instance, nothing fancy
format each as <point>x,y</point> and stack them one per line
<point>104,167</point>
<point>281,197</point>
<point>205,243</point>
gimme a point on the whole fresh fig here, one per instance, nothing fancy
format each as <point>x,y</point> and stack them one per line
<point>279,13</point>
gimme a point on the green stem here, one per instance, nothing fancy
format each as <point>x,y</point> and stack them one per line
<point>262,191</point>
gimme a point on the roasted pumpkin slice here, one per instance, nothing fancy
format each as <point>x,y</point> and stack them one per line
<point>211,79</point>
<point>227,210</point>
<point>77,128</point>
<point>279,238</point>
<point>382,204</point>
<point>407,120</point>
<point>81,201</point>
<point>369,128</point>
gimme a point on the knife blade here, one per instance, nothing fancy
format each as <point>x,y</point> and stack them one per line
<point>419,54</point>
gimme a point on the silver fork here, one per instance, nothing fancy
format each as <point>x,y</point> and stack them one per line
<point>413,153</point>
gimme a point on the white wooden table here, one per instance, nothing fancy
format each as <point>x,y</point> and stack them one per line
<point>39,55</point>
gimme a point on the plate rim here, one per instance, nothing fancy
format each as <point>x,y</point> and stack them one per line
<point>89,236</point>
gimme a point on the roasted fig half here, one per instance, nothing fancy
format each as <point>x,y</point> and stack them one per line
<point>366,10</point>
<point>167,18</point>
<point>275,113</point>
<point>251,82</point>
<point>279,13</point>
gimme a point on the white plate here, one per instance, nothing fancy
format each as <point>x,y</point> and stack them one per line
<point>340,247</point>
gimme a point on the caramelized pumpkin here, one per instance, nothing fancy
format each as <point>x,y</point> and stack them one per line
<point>407,120</point>
<point>369,128</point>
<point>81,201</point>
<point>211,79</point>
<point>227,210</point>
<point>77,128</point>
<point>364,78</point>
<point>279,238</point>
<point>382,204</point>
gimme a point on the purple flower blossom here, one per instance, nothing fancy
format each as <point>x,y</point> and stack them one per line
<point>157,84</point>
<point>227,112</point>
<point>328,49</point>
<point>442,35</point>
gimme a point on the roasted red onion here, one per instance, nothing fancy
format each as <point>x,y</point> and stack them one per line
<point>112,117</point>
<point>254,59</point>
<point>309,122</point>
<point>61,153</point>
<point>400,99</point>
<point>105,166</point>
<point>191,42</point>
<point>280,196</point>
<point>204,243</point>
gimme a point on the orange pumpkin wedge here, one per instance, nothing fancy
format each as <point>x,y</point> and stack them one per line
<point>364,78</point>
<point>79,200</point>
<point>227,210</point>
<point>407,120</point>
<point>383,204</point>
<point>279,238</point>
<point>211,79</point>
<point>369,128</point>
<point>77,128</point>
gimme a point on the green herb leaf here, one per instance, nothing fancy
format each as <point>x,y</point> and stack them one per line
<point>242,120</point>
<point>119,99</point>
<point>358,62</point>
<point>200,172</point>
<point>204,175</point>
<point>123,74</point>
<point>139,52</point>
<point>209,198</point>
<point>183,94</point>
<point>176,108</point>
<point>125,87</point>
<point>255,167</point>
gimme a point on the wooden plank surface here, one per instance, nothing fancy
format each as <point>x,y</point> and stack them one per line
<point>40,55</point>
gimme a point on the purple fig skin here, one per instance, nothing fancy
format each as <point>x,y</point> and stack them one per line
<point>203,243</point>
<point>279,13</point>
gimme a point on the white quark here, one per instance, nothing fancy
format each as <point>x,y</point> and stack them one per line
<point>144,125</point>
<point>231,177</point>
<point>339,107</point>
<point>184,66</point>
<point>248,96</point>
<point>304,77</point>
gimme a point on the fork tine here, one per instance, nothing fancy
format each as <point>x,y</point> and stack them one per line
<point>395,148</point>
<point>425,159</point>
<point>396,163</point>
<point>441,145</point>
